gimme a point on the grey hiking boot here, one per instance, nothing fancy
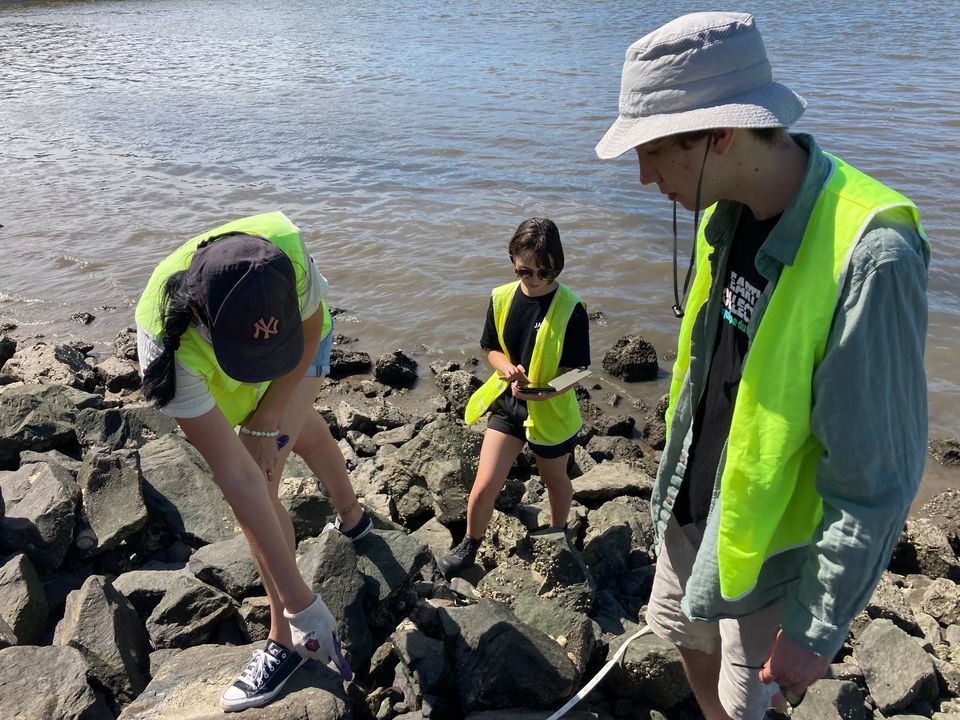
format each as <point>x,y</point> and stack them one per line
<point>462,556</point>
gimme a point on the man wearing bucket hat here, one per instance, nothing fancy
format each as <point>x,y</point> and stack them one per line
<point>797,419</point>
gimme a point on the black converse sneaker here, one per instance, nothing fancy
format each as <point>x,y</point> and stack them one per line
<point>262,679</point>
<point>462,556</point>
<point>361,529</point>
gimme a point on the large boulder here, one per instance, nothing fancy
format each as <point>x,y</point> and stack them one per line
<point>179,489</point>
<point>619,537</point>
<point>189,614</point>
<point>573,631</point>
<point>457,386</point>
<point>23,604</point>
<point>146,588</point>
<point>610,480</point>
<point>41,418</point>
<point>442,459</point>
<point>189,686</point>
<point>112,497</point>
<point>651,669</point>
<point>496,659</point>
<point>47,683</point>
<point>53,364</point>
<point>833,700</point>
<point>100,623</point>
<point>41,506</point>
<point>632,358</point>
<point>396,369</point>
<point>228,565</point>
<point>896,669</point>
<point>329,566</point>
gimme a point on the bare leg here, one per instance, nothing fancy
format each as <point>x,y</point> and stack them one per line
<point>553,473</point>
<point>322,455</point>
<point>497,454</point>
<point>703,674</point>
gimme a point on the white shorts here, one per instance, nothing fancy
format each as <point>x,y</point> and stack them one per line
<point>743,641</point>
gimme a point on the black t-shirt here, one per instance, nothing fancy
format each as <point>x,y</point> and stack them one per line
<point>520,331</point>
<point>743,285</point>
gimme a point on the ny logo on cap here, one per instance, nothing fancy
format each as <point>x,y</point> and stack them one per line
<point>268,327</point>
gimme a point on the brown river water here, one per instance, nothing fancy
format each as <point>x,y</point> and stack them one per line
<point>408,140</point>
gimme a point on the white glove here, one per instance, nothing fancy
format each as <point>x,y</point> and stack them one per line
<point>315,636</point>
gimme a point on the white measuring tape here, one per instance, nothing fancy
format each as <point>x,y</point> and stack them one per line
<point>599,676</point>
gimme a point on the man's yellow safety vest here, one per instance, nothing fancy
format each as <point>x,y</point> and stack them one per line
<point>768,500</point>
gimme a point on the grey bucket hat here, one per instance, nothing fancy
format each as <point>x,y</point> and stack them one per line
<point>698,72</point>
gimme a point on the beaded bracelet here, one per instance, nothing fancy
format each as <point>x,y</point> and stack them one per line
<point>259,433</point>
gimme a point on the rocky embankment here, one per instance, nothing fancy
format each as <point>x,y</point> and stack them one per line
<point>127,591</point>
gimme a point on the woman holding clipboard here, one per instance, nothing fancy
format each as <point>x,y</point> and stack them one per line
<point>536,327</point>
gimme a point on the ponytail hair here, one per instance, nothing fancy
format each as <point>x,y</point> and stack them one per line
<point>176,312</point>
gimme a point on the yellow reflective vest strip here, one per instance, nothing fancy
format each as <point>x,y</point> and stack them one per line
<point>549,422</point>
<point>235,399</point>
<point>768,501</point>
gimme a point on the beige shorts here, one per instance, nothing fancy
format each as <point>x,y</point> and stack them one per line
<point>740,641</point>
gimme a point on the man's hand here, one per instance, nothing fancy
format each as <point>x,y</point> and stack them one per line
<point>791,666</point>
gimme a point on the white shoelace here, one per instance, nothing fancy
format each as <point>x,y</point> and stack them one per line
<point>259,667</point>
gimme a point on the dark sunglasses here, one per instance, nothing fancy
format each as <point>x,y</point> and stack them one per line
<point>527,273</point>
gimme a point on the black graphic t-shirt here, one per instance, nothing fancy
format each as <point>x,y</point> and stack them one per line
<point>743,285</point>
<point>520,331</point>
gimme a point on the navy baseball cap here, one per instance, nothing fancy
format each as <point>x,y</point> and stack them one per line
<point>245,288</point>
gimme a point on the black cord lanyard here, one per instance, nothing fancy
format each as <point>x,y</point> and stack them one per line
<point>678,303</point>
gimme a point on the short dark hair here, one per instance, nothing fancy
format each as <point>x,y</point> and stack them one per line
<point>538,236</point>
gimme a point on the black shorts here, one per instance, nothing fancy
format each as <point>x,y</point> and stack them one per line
<point>508,414</point>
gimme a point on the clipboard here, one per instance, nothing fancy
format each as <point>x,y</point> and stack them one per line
<point>559,383</point>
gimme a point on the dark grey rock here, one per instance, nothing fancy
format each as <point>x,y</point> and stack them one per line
<point>396,436</point>
<point>887,602</point>
<point>925,548</point>
<point>895,667</point>
<point>442,460</point>
<point>344,363</point>
<point>654,426</point>
<point>352,418</point>
<point>188,614</point>
<point>632,359</point>
<point>40,513</point>
<point>362,444</point>
<point>457,386</point>
<point>228,566</point>
<point>190,687</point>
<point>496,659</point>
<point>619,536</point>
<point>307,505</point>
<point>396,369</point>
<point>53,364</point>
<point>832,700</point>
<point>424,659</point>
<point>118,375</point>
<point>329,565</point>
<point>146,588</point>
<point>23,604</point>
<point>650,669</point>
<point>941,599</point>
<point>112,497</point>
<point>179,489</point>
<point>125,344</point>
<point>100,623</point>
<point>41,418</point>
<point>255,616</point>
<point>8,348</point>
<point>389,560</point>
<point>7,636</point>
<point>946,450</point>
<point>47,683</point>
<point>609,480</point>
<point>574,632</point>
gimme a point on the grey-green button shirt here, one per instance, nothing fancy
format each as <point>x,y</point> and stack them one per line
<point>869,412</point>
